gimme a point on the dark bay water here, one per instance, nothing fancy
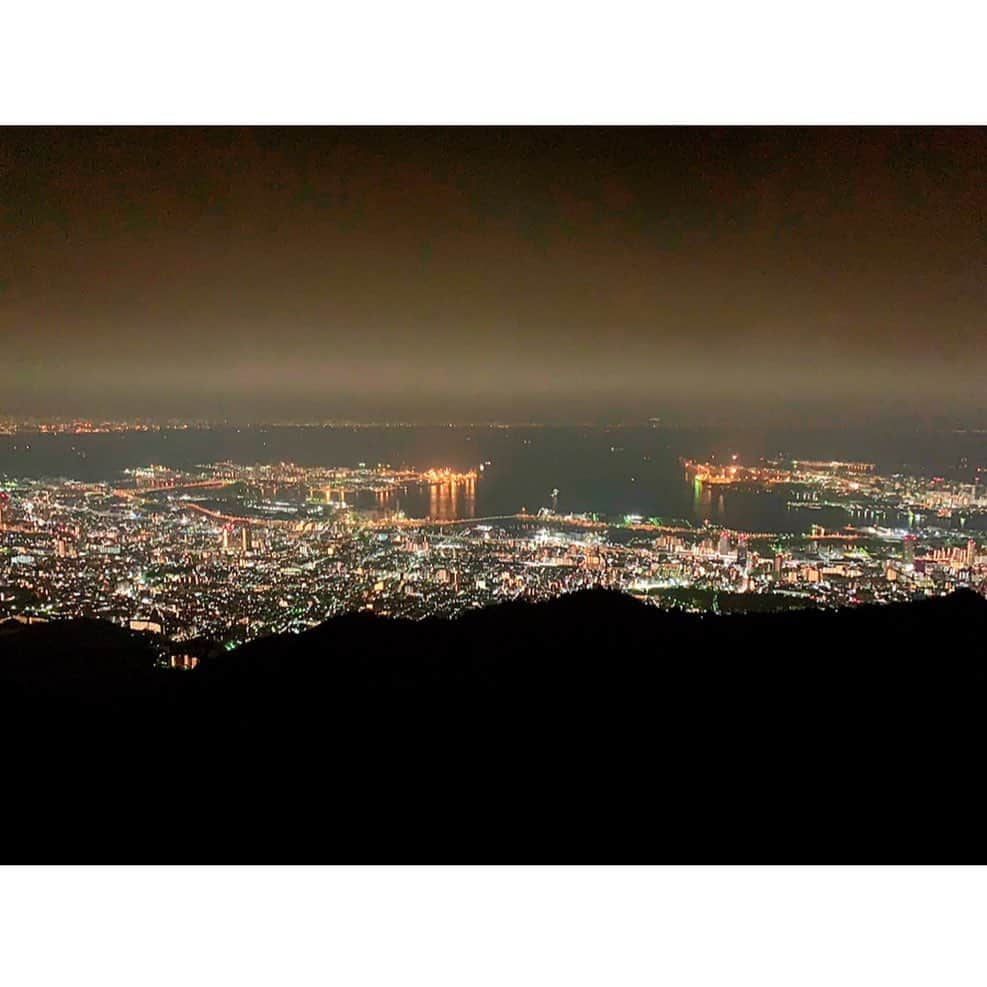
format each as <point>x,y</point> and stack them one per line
<point>612,471</point>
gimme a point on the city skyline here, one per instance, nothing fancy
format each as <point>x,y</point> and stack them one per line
<point>224,554</point>
<point>428,432</point>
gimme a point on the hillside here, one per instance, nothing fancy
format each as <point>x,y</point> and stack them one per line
<point>591,728</point>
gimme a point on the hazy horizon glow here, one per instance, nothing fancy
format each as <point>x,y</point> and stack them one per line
<point>494,273</point>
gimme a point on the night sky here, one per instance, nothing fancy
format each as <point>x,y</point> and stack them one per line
<point>466,274</point>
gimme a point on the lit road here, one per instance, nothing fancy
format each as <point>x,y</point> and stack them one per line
<point>138,492</point>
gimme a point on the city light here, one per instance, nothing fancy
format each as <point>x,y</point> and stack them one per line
<point>233,552</point>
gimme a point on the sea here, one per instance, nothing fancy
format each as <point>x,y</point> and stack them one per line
<point>611,471</point>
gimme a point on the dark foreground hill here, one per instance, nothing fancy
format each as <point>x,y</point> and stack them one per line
<point>591,728</point>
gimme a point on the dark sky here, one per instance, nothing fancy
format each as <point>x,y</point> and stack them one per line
<point>475,273</point>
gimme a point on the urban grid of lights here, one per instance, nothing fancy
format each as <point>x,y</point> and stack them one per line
<point>230,552</point>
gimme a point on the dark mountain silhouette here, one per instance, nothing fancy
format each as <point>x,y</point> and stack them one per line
<point>78,660</point>
<point>589,728</point>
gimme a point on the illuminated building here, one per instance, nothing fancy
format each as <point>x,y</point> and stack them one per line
<point>152,623</point>
<point>4,509</point>
<point>246,542</point>
<point>723,547</point>
<point>742,553</point>
<point>971,553</point>
<point>908,549</point>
